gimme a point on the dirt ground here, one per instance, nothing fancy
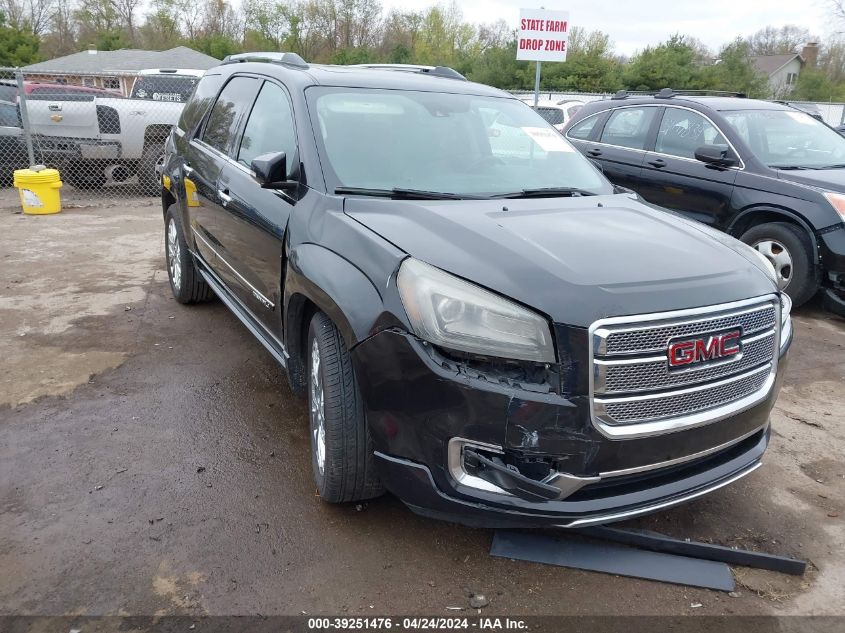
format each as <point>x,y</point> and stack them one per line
<point>153,461</point>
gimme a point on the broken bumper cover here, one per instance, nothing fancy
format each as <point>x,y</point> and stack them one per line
<point>433,426</point>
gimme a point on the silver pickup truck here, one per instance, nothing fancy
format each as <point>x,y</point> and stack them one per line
<point>95,140</point>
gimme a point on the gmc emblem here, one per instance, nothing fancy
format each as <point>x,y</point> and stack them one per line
<point>699,350</point>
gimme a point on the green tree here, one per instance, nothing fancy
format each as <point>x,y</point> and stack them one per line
<point>734,71</point>
<point>672,64</point>
<point>17,47</point>
<point>814,85</point>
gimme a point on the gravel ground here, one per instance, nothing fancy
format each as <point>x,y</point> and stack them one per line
<point>153,461</point>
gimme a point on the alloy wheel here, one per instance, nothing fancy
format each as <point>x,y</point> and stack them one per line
<point>779,257</point>
<point>174,255</point>
<point>318,419</point>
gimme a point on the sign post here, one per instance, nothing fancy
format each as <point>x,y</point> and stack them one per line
<point>543,37</point>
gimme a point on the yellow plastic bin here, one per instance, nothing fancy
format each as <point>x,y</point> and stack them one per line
<point>39,190</point>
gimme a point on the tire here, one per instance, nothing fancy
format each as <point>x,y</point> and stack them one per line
<point>148,179</point>
<point>341,447</point>
<point>186,283</point>
<point>789,249</point>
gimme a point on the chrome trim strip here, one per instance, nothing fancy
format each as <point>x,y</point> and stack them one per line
<point>679,460</point>
<point>619,516</point>
<point>684,422</point>
<point>456,469</point>
<point>565,482</point>
<point>656,153</point>
<point>267,303</point>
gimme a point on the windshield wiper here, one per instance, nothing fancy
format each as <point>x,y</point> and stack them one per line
<point>408,194</point>
<point>789,167</point>
<point>547,192</point>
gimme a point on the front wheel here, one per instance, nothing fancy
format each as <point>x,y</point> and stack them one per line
<point>341,447</point>
<point>790,251</point>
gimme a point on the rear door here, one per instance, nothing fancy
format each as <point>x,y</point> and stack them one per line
<point>256,218</point>
<point>207,153</point>
<point>620,149</point>
<point>673,178</point>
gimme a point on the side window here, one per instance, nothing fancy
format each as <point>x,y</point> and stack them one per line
<point>628,127</point>
<point>269,127</point>
<point>581,131</point>
<point>8,115</point>
<point>199,103</point>
<point>227,113</point>
<point>684,131</point>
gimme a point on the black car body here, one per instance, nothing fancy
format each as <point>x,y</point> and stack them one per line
<point>757,179</point>
<point>552,401</point>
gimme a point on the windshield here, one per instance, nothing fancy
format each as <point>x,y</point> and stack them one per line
<point>164,87</point>
<point>788,139</point>
<point>449,143</point>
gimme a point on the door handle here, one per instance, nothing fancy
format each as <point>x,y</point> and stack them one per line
<point>594,152</point>
<point>657,162</point>
<point>224,196</point>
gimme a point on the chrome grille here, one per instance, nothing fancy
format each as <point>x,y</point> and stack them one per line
<point>656,337</point>
<point>633,384</point>
<point>648,376</point>
<point>699,400</point>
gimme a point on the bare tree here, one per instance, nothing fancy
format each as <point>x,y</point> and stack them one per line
<point>778,41</point>
<point>125,10</point>
<point>28,15</point>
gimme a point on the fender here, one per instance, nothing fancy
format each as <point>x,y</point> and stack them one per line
<point>798,219</point>
<point>344,293</point>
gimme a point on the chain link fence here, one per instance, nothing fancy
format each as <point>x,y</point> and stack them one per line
<point>105,140</point>
<point>106,135</point>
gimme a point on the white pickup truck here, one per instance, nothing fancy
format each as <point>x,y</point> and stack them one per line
<point>94,140</point>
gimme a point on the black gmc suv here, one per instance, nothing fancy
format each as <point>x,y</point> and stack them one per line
<point>481,322</point>
<point>767,173</point>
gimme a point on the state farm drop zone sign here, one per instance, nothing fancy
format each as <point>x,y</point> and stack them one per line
<point>543,35</point>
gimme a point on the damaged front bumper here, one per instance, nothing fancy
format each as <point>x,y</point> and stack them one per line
<point>485,448</point>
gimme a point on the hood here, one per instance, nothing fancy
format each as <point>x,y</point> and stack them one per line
<point>574,259</point>
<point>830,179</point>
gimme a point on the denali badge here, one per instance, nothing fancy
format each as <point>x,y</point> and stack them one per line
<point>699,350</point>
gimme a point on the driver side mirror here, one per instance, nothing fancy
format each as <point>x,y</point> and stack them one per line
<point>716,155</point>
<point>271,171</point>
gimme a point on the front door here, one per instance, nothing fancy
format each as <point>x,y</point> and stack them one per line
<point>208,157</point>
<point>256,218</point>
<point>673,178</point>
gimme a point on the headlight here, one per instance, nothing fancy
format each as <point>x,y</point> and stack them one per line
<point>452,313</point>
<point>785,318</point>
<point>837,201</point>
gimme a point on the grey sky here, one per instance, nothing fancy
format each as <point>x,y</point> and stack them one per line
<point>633,24</point>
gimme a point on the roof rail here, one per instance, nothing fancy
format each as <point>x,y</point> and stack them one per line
<point>278,57</point>
<point>436,71</point>
<point>669,93</point>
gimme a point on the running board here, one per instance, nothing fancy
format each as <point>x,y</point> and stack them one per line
<point>270,342</point>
